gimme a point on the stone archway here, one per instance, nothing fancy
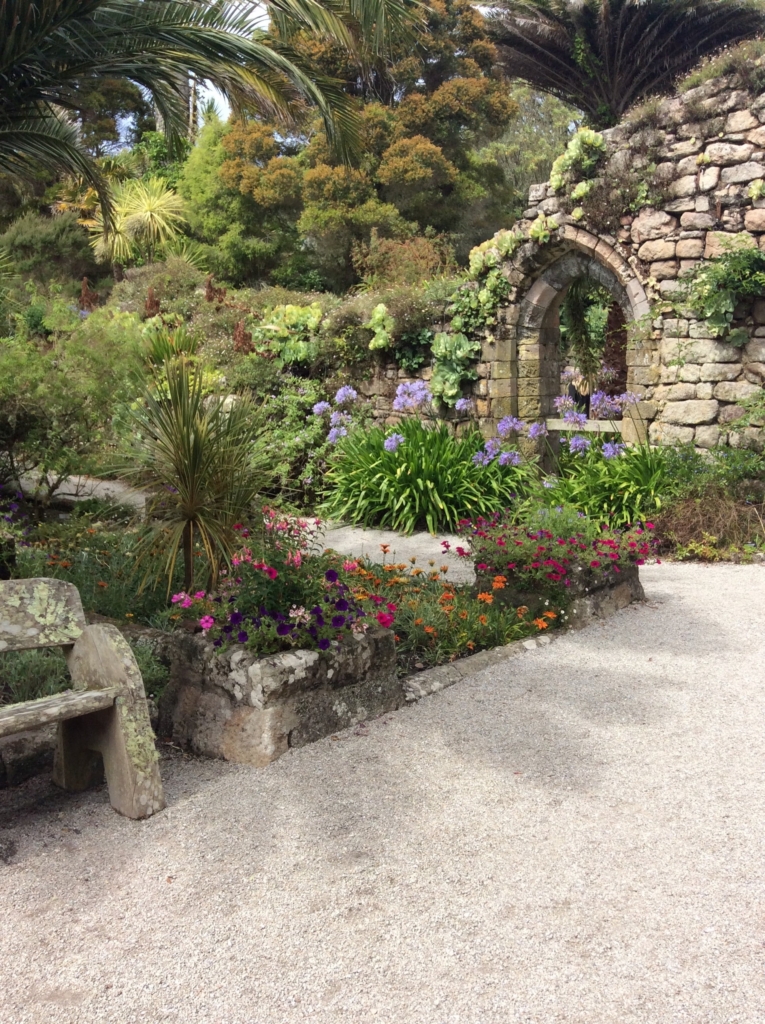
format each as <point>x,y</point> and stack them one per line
<point>524,370</point>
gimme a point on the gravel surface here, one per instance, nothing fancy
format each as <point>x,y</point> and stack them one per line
<point>574,836</point>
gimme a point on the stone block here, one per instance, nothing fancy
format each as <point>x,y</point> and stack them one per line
<point>742,173</point>
<point>537,193</point>
<point>689,413</point>
<point>702,203</point>
<point>690,372</point>
<point>691,248</point>
<point>735,391</point>
<point>720,371</point>
<point>757,137</point>
<point>699,329</point>
<point>707,437</point>
<point>668,434</point>
<point>754,351</point>
<point>726,154</point>
<point>708,179</point>
<point>685,186</point>
<point>651,224</point>
<point>741,121</point>
<point>669,374</point>
<point>697,221</point>
<point>704,390</point>
<point>696,350</point>
<point>730,413</point>
<point>755,373</point>
<point>675,392</point>
<point>719,242</point>
<point>643,376</point>
<point>657,249</point>
<point>664,270</point>
<point>506,388</point>
<point>758,311</point>
<point>754,220</point>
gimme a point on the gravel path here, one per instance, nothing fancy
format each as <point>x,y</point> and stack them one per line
<point>575,836</point>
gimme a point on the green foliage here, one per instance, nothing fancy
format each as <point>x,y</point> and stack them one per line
<point>288,333</point>
<point>757,189</point>
<point>542,228</point>
<point>28,675</point>
<point>201,456</point>
<point>579,160</point>
<point>154,673</point>
<point>381,324</point>
<point>413,349</point>
<point>454,355</point>
<point>717,286</point>
<point>50,248</point>
<point>429,482</point>
<point>583,317</point>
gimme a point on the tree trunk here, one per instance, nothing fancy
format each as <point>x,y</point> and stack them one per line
<point>188,557</point>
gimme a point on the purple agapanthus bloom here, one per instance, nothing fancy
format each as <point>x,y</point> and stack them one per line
<point>537,430</point>
<point>510,459</point>
<point>390,444</point>
<point>492,447</point>
<point>613,449</point>
<point>337,419</point>
<point>574,419</point>
<point>579,444</point>
<point>603,406</point>
<point>463,404</point>
<point>320,408</point>
<point>563,402</point>
<point>481,459</point>
<point>336,433</point>
<point>346,394</point>
<point>411,396</point>
<point>508,424</point>
<point>628,398</point>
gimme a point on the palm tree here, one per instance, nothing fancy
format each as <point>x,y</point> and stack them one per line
<point>602,56</point>
<point>146,215</point>
<point>48,46</point>
<point>201,457</point>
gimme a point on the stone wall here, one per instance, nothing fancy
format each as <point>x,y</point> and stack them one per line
<point>699,153</point>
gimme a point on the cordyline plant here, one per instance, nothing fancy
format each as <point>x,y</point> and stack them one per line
<point>200,457</point>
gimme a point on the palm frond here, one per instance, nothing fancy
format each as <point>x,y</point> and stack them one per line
<point>602,56</point>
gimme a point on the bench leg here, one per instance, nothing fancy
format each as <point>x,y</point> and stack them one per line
<point>129,759</point>
<point>121,734</point>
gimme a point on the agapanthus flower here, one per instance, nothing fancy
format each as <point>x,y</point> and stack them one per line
<point>411,396</point>
<point>320,408</point>
<point>346,394</point>
<point>579,444</point>
<point>481,459</point>
<point>537,430</point>
<point>574,419</point>
<point>563,403</point>
<point>492,447</point>
<point>338,419</point>
<point>463,404</point>
<point>603,406</point>
<point>508,424</point>
<point>510,459</point>
<point>390,444</point>
<point>336,433</point>
<point>613,449</point>
<point>628,398</point>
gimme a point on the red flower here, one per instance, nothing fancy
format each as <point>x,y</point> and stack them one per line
<point>595,563</point>
<point>385,620</point>
<point>391,607</point>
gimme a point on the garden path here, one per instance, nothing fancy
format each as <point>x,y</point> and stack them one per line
<point>576,835</point>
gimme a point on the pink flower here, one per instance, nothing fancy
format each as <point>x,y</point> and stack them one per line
<point>481,565</point>
<point>199,595</point>
<point>271,573</point>
<point>649,526</point>
<point>462,553</point>
<point>177,597</point>
<point>391,607</point>
<point>445,545</point>
<point>350,566</point>
<point>186,602</point>
<point>385,620</point>
<point>207,622</point>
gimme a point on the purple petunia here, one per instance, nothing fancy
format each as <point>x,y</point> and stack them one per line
<point>508,424</point>
<point>320,408</point>
<point>613,449</point>
<point>283,629</point>
<point>411,396</point>
<point>323,644</point>
<point>463,404</point>
<point>336,433</point>
<point>242,637</point>
<point>537,430</point>
<point>331,576</point>
<point>579,444</point>
<point>390,444</point>
<point>510,459</point>
<point>338,621</point>
<point>346,394</point>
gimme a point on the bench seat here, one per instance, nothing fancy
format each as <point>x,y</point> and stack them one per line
<point>46,710</point>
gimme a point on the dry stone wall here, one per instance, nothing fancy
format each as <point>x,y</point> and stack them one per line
<point>696,158</point>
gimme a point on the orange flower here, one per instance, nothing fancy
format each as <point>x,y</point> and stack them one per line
<point>430,629</point>
<point>397,638</point>
<point>470,645</point>
<point>413,559</point>
<point>434,576</point>
<point>463,614</point>
<point>448,608</point>
<point>444,568</point>
<point>65,565</point>
<point>418,622</point>
<point>385,548</point>
<point>549,615</point>
<point>482,619</point>
<point>540,623</point>
<point>417,572</point>
<point>523,610</point>
<point>390,568</point>
<point>102,584</point>
<point>486,598</point>
<point>499,582</point>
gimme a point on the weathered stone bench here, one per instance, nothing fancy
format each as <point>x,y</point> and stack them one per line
<point>104,714</point>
